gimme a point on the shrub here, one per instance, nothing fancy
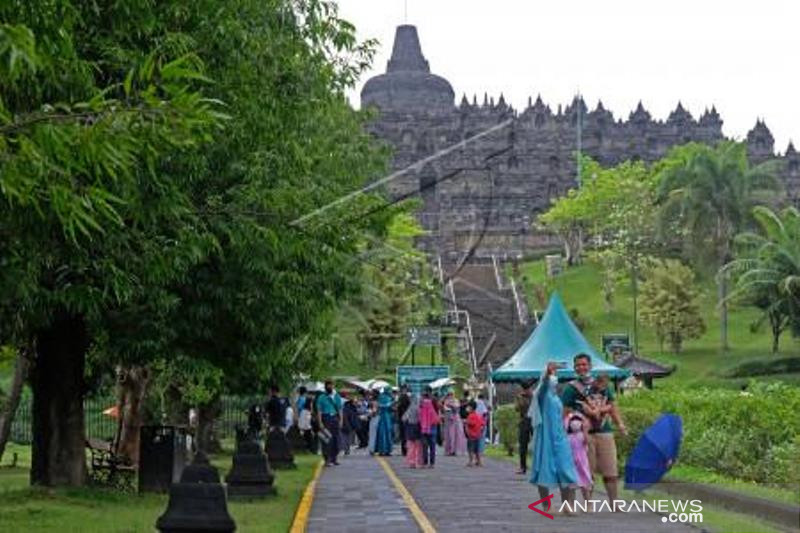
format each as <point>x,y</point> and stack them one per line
<point>507,421</point>
<point>670,303</point>
<point>763,367</point>
<point>636,419</point>
<point>749,435</point>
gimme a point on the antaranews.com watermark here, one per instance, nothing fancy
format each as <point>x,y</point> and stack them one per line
<point>672,511</point>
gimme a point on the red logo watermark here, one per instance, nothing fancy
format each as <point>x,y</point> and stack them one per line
<point>549,500</point>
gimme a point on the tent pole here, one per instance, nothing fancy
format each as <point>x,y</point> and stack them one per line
<point>491,405</point>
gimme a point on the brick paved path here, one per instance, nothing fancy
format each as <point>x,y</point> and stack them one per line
<point>358,496</point>
<point>493,498</point>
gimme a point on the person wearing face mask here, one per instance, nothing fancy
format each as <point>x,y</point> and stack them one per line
<point>596,403</point>
<point>578,434</point>
<point>551,463</point>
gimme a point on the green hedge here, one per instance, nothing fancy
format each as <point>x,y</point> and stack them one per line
<point>753,435</point>
<point>764,367</point>
<point>507,421</point>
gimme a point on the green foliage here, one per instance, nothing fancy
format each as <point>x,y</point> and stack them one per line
<point>613,268</point>
<point>257,305</point>
<point>670,303</point>
<point>637,419</point>
<point>740,434</point>
<point>87,222</point>
<point>707,194</point>
<point>197,381</point>
<point>610,205</point>
<point>766,270</point>
<point>398,287</point>
<point>130,198</point>
<point>700,362</point>
<point>506,420</point>
<point>763,367</point>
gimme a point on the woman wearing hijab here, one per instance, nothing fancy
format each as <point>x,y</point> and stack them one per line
<point>428,424</point>
<point>412,433</point>
<point>373,423</point>
<point>552,463</point>
<point>455,441</point>
<point>384,439</point>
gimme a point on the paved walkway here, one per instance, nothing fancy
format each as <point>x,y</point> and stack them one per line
<point>359,496</point>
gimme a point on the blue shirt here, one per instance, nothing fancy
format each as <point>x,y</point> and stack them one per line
<point>327,405</point>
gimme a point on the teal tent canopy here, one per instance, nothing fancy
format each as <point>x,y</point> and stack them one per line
<point>556,338</point>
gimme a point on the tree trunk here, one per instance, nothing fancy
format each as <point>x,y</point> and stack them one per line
<point>132,386</point>
<point>207,439</point>
<point>775,325</point>
<point>374,348</point>
<point>58,450</point>
<point>635,290</point>
<point>723,311</point>
<point>21,366</point>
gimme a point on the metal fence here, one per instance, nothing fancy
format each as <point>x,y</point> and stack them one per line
<point>98,425</point>
<point>103,427</point>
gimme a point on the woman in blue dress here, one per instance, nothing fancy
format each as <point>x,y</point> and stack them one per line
<point>384,439</point>
<point>552,463</point>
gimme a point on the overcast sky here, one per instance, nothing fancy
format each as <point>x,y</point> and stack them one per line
<point>742,56</point>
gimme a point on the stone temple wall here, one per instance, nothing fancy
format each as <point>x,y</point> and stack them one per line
<point>491,189</point>
<point>481,199</point>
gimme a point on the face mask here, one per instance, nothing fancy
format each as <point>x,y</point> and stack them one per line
<point>553,381</point>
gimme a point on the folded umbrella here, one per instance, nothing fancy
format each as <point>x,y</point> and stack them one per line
<point>655,452</point>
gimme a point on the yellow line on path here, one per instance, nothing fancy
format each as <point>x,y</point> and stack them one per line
<point>304,507</point>
<point>424,524</point>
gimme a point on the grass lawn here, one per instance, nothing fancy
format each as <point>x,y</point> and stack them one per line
<point>88,510</point>
<point>701,361</point>
<point>715,519</point>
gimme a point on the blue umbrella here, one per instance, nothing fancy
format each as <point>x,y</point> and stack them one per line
<point>655,452</point>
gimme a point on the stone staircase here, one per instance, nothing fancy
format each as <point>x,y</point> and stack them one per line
<point>494,312</point>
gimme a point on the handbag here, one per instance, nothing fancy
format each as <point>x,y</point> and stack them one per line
<point>325,435</point>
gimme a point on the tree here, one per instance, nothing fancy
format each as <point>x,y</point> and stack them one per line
<point>612,266</point>
<point>707,193</point>
<point>766,271</point>
<point>398,289</point>
<point>612,207</point>
<point>136,230</point>
<point>669,303</point>
<point>86,222</point>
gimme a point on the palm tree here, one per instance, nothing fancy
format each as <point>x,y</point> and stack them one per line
<point>767,271</point>
<point>707,195</point>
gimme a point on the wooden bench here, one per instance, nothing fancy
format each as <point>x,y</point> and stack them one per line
<point>109,469</point>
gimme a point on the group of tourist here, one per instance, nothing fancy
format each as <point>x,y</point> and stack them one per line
<point>376,420</point>
<point>569,436</point>
<point>572,433</point>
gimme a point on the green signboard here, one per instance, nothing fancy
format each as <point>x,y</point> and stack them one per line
<point>611,340</point>
<point>424,336</point>
<point>417,377</point>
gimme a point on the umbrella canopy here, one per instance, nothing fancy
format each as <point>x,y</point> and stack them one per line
<point>556,338</point>
<point>655,452</point>
<point>314,386</point>
<point>378,384</point>
<point>441,382</point>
